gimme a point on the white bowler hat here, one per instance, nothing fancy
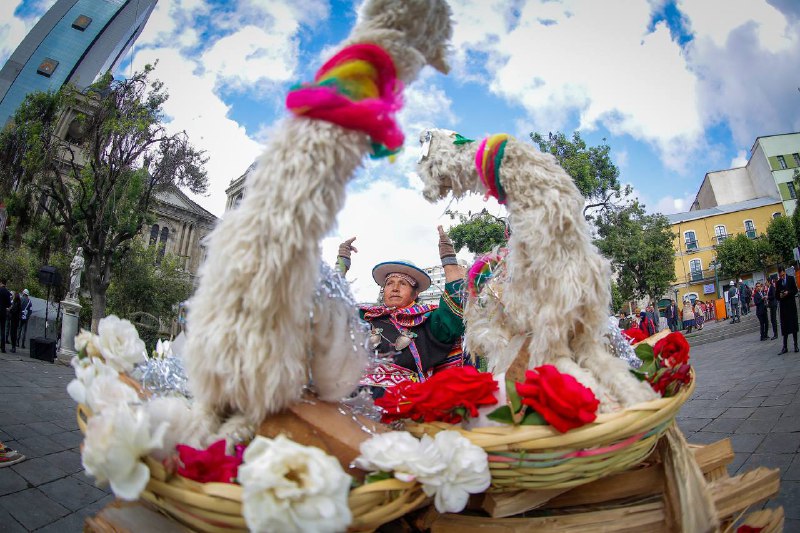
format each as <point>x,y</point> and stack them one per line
<point>382,270</point>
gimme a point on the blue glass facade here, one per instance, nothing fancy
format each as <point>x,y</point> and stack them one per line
<point>68,44</point>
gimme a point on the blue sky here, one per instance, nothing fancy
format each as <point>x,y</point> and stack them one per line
<point>677,88</point>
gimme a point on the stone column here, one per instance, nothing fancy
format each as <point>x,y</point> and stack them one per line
<point>69,328</point>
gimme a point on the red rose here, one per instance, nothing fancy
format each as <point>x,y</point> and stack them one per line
<point>441,397</point>
<point>673,349</point>
<point>668,381</point>
<point>562,401</point>
<point>211,464</point>
<point>634,335</point>
<point>744,528</point>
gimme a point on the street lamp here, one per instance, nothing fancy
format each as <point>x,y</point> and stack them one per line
<point>678,323</point>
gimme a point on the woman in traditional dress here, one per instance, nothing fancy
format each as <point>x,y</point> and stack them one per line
<point>416,339</point>
<point>688,316</point>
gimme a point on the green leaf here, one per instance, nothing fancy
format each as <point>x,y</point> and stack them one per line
<point>641,376</point>
<point>532,418</point>
<point>645,352</point>
<point>502,415</point>
<point>378,476</point>
<point>513,397</point>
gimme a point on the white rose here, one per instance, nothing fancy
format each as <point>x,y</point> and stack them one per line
<point>87,341</point>
<point>119,343</point>
<point>398,452</point>
<point>86,371</point>
<point>115,442</point>
<point>108,391</point>
<point>466,471</point>
<point>291,487</point>
<point>163,349</point>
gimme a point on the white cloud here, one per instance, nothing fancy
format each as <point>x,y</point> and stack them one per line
<point>251,55</point>
<point>742,156</point>
<point>743,67</point>
<point>671,204</point>
<point>195,107</point>
<point>13,29</point>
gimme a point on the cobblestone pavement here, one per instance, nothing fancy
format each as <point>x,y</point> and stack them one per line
<point>745,391</point>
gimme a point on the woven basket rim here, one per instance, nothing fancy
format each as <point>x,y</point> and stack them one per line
<point>608,427</point>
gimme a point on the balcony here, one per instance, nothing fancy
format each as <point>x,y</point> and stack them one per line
<point>696,276</point>
<point>721,238</point>
<point>691,245</point>
<point>751,234</point>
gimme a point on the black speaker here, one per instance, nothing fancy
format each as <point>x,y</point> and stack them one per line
<point>43,349</point>
<point>49,276</point>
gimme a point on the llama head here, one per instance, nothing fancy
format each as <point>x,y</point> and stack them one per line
<point>425,25</point>
<point>445,166</point>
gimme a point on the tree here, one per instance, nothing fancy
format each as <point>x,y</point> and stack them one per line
<point>617,301</point>
<point>596,176</point>
<point>796,213</point>
<point>781,237</point>
<point>640,249</point>
<point>479,232</point>
<point>146,281</point>
<point>99,179</point>
<point>737,255</point>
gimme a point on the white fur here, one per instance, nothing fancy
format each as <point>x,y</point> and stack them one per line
<point>249,336</point>
<point>552,300</point>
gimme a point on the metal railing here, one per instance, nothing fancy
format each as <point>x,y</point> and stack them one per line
<point>751,234</point>
<point>691,245</point>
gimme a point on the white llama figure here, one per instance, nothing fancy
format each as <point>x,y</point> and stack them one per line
<point>554,297</point>
<point>250,349</point>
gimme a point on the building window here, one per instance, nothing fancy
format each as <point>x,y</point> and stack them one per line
<point>782,161</point>
<point>153,234</point>
<point>47,67</point>
<point>750,229</point>
<point>696,270</point>
<point>691,296</point>
<point>82,22</point>
<point>796,159</point>
<point>162,244</point>
<point>776,215</point>
<point>720,233</point>
<point>691,240</point>
<point>792,192</point>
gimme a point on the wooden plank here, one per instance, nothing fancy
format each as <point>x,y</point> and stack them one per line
<point>735,494</point>
<point>635,518</point>
<point>766,520</point>
<point>632,483</point>
<point>503,504</point>
<point>713,456</point>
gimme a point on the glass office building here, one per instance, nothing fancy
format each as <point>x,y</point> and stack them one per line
<point>74,42</point>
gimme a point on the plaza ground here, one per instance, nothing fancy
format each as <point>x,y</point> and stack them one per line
<point>745,391</point>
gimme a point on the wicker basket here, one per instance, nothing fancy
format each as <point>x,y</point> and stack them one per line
<point>217,507</point>
<point>539,457</point>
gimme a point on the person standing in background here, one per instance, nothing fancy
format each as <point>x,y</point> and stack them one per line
<point>5,305</point>
<point>25,315</point>
<point>772,304</point>
<point>760,300</point>
<point>787,289</point>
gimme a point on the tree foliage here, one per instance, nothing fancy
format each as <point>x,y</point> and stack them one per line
<point>97,181</point>
<point>479,232</point>
<point>143,281</point>
<point>781,237</point>
<point>640,249</point>
<point>596,176</point>
<point>737,255</point>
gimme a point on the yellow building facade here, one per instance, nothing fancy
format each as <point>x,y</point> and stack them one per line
<point>697,233</point>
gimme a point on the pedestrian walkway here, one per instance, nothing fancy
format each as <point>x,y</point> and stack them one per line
<point>745,391</point>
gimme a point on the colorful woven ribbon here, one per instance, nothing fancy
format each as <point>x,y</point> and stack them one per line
<point>356,89</point>
<point>482,271</point>
<point>487,162</point>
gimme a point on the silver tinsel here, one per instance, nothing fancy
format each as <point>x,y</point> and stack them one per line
<point>163,377</point>
<point>620,347</point>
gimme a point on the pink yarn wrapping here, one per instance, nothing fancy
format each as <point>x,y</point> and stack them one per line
<point>373,116</point>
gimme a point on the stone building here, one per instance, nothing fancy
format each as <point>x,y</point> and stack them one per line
<point>180,228</point>
<point>235,191</point>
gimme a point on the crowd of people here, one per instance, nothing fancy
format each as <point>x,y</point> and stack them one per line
<point>774,302</point>
<point>15,310</point>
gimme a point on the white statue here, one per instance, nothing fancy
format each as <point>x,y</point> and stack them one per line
<point>75,271</point>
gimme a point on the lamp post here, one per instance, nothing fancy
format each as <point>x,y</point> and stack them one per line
<point>678,323</point>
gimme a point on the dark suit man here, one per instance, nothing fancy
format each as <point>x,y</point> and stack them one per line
<point>787,289</point>
<point>5,304</point>
<point>772,304</point>
<point>671,314</point>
